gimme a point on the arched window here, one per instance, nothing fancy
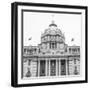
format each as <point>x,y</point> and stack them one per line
<point>28,74</point>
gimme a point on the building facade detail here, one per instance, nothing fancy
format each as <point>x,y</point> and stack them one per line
<point>52,57</point>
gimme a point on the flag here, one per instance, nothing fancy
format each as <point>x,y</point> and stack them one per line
<point>30,38</point>
<point>72,39</point>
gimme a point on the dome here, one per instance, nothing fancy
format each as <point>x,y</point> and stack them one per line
<point>52,24</point>
<point>52,30</point>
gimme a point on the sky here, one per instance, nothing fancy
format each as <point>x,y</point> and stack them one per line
<point>35,23</point>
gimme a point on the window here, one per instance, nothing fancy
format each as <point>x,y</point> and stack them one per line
<point>74,61</point>
<point>42,68</point>
<point>66,50</point>
<point>69,49</point>
<point>53,45</point>
<point>78,49</point>
<point>52,67</point>
<point>28,74</point>
<point>29,61</point>
<point>63,67</point>
<point>39,51</point>
<point>25,50</point>
<point>35,49</point>
<point>75,71</point>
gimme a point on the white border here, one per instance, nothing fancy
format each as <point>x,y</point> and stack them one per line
<point>43,80</point>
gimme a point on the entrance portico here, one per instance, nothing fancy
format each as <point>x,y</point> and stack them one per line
<point>52,67</point>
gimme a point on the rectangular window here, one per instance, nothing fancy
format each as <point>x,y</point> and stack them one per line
<point>53,68</point>
<point>42,68</point>
<point>53,45</point>
<point>29,62</point>
<point>63,67</point>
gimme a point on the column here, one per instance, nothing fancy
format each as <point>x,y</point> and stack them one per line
<point>38,67</point>
<point>59,67</point>
<point>68,65</point>
<point>66,68</point>
<point>79,66</point>
<point>56,67</point>
<point>46,67</point>
<point>22,69</point>
<point>49,67</point>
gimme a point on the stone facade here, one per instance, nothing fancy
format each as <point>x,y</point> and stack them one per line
<point>52,57</point>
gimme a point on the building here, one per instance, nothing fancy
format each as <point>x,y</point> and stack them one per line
<point>52,57</point>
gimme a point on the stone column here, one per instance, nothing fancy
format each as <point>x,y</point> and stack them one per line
<point>38,67</point>
<point>46,67</point>
<point>66,67</point>
<point>59,67</point>
<point>49,67</point>
<point>56,67</point>
<point>22,69</point>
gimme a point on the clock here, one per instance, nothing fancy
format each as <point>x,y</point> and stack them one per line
<point>62,46</point>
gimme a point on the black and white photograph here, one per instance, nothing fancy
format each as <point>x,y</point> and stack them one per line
<point>56,52</point>
<point>51,44</point>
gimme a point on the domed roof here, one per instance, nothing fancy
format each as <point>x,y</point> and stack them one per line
<point>52,30</point>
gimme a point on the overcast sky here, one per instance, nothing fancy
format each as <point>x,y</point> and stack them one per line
<point>35,23</point>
